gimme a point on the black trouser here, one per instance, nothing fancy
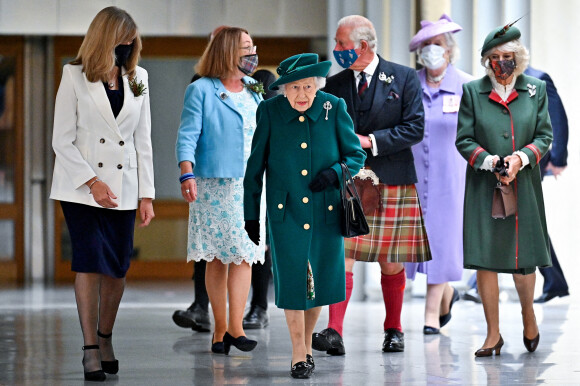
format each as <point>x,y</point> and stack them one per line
<point>554,280</point>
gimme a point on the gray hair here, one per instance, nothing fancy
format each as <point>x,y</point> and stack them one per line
<point>319,81</point>
<point>521,56</point>
<point>362,29</point>
<point>451,46</point>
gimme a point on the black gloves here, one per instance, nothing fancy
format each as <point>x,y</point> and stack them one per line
<point>323,180</point>
<point>252,228</point>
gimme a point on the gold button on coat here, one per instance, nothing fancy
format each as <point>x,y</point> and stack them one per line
<point>280,206</point>
<point>304,172</point>
<point>305,200</point>
<point>304,145</point>
<point>301,119</point>
<point>330,207</point>
<point>306,226</point>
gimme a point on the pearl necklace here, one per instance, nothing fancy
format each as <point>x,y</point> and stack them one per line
<point>111,85</point>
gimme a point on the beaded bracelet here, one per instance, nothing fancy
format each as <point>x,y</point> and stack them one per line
<point>186,176</point>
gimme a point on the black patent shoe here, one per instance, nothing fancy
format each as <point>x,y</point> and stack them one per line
<point>532,344</point>
<point>241,343</point>
<point>109,367</point>
<point>194,317</point>
<point>256,318</point>
<point>328,340</point>
<point>444,319</point>
<point>547,296</point>
<point>394,341</point>
<point>217,347</point>
<point>301,370</point>
<point>97,375</point>
<point>310,361</point>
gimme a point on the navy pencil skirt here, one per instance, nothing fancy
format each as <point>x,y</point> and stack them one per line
<point>102,239</point>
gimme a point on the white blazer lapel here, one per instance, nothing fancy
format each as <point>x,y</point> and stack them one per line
<point>127,94</point>
<point>99,96</point>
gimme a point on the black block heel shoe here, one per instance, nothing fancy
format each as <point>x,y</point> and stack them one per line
<point>93,376</point>
<point>109,367</point>
<point>301,370</point>
<point>241,343</point>
<point>217,347</point>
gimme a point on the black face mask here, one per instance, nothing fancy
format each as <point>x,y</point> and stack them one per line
<point>122,53</point>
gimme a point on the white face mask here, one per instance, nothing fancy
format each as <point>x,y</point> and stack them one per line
<point>432,56</point>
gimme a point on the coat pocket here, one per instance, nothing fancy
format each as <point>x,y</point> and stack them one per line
<point>277,206</point>
<point>331,206</point>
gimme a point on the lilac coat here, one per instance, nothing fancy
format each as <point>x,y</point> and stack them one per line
<point>441,180</point>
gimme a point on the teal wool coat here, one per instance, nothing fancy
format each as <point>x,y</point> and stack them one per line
<point>292,147</point>
<point>489,126</point>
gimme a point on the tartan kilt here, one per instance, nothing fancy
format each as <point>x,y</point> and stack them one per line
<point>397,230</point>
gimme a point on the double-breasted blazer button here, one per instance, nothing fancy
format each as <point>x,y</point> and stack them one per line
<point>119,166</point>
<point>121,143</point>
<point>305,200</point>
<point>330,207</point>
<point>100,164</point>
<point>304,145</point>
<point>304,172</point>
<point>102,140</point>
<point>306,226</point>
<point>280,206</point>
<point>301,118</point>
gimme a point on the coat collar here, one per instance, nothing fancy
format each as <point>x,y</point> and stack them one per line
<point>290,114</point>
<point>485,85</point>
<point>448,84</point>
<point>220,92</point>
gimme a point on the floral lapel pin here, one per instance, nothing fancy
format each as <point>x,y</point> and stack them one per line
<point>137,87</point>
<point>387,79</point>
<point>327,106</point>
<point>223,96</point>
<point>531,90</point>
<point>257,87</point>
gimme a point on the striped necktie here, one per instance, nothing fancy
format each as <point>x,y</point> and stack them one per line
<point>362,84</point>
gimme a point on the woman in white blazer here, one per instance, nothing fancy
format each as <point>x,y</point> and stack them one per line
<point>103,166</point>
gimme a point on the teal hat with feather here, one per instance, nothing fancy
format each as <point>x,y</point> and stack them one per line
<point>500,35</point>
<point>299,67</point>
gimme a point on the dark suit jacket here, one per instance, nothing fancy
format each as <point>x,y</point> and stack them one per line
<point>396,119</point>
<point>559,153</point>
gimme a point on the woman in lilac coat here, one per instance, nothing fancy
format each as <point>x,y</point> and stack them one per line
<point>440,168</point>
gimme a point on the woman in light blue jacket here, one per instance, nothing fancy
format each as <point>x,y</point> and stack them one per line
<point>213,144</point>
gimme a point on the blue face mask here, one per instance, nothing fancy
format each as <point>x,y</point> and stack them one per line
<point>345,58</point>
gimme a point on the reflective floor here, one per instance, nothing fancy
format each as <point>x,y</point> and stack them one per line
<point>40,343</point>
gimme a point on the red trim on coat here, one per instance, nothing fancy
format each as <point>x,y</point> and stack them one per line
<point>478,150</point>
<point>536,151</point>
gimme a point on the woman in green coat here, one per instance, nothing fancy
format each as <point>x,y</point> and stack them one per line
<point>504,114</point>
<point>301,137</point>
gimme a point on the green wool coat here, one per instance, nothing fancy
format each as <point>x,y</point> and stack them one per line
<point>292,147</point>
<point>489,126</point>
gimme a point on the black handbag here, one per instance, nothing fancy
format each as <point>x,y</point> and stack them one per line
<point>353,221</point>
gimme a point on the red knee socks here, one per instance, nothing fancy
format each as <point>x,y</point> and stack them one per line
<point>336,311</point>
<point>393,290</point>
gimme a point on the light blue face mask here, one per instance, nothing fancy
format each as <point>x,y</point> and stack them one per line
<point>345,58</point>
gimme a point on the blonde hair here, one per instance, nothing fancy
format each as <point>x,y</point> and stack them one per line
<point>112,26</point>
<point>521,56</point>
<point>222,54</point>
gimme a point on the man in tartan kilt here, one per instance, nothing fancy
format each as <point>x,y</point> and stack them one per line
<point>384,101</point>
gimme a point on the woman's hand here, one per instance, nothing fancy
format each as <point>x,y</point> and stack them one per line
<point>146,211</point>
<point>515,163</point>
<point>189,190</point>
<point>103,195</point>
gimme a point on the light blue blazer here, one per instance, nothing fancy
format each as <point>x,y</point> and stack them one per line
<point>211,133</point>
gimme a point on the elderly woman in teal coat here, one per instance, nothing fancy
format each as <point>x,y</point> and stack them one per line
<point>505,114</point>
<point>301,138</point>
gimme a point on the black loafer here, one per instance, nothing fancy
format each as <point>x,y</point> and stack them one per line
<point>256,318</point>
<point>310,361</point>
<point>547,296</point>
<point>394,341</point>
<point>194,317</point>
<point>428,330</point>
<point>328,340</point>
<point>301,370</point>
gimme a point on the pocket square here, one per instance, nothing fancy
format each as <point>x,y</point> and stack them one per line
<point>393,95</point>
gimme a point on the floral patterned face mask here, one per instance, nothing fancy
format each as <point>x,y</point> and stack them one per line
<point>503,69</point>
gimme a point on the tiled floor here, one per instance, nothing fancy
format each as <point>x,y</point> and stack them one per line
<point>40,343</point>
